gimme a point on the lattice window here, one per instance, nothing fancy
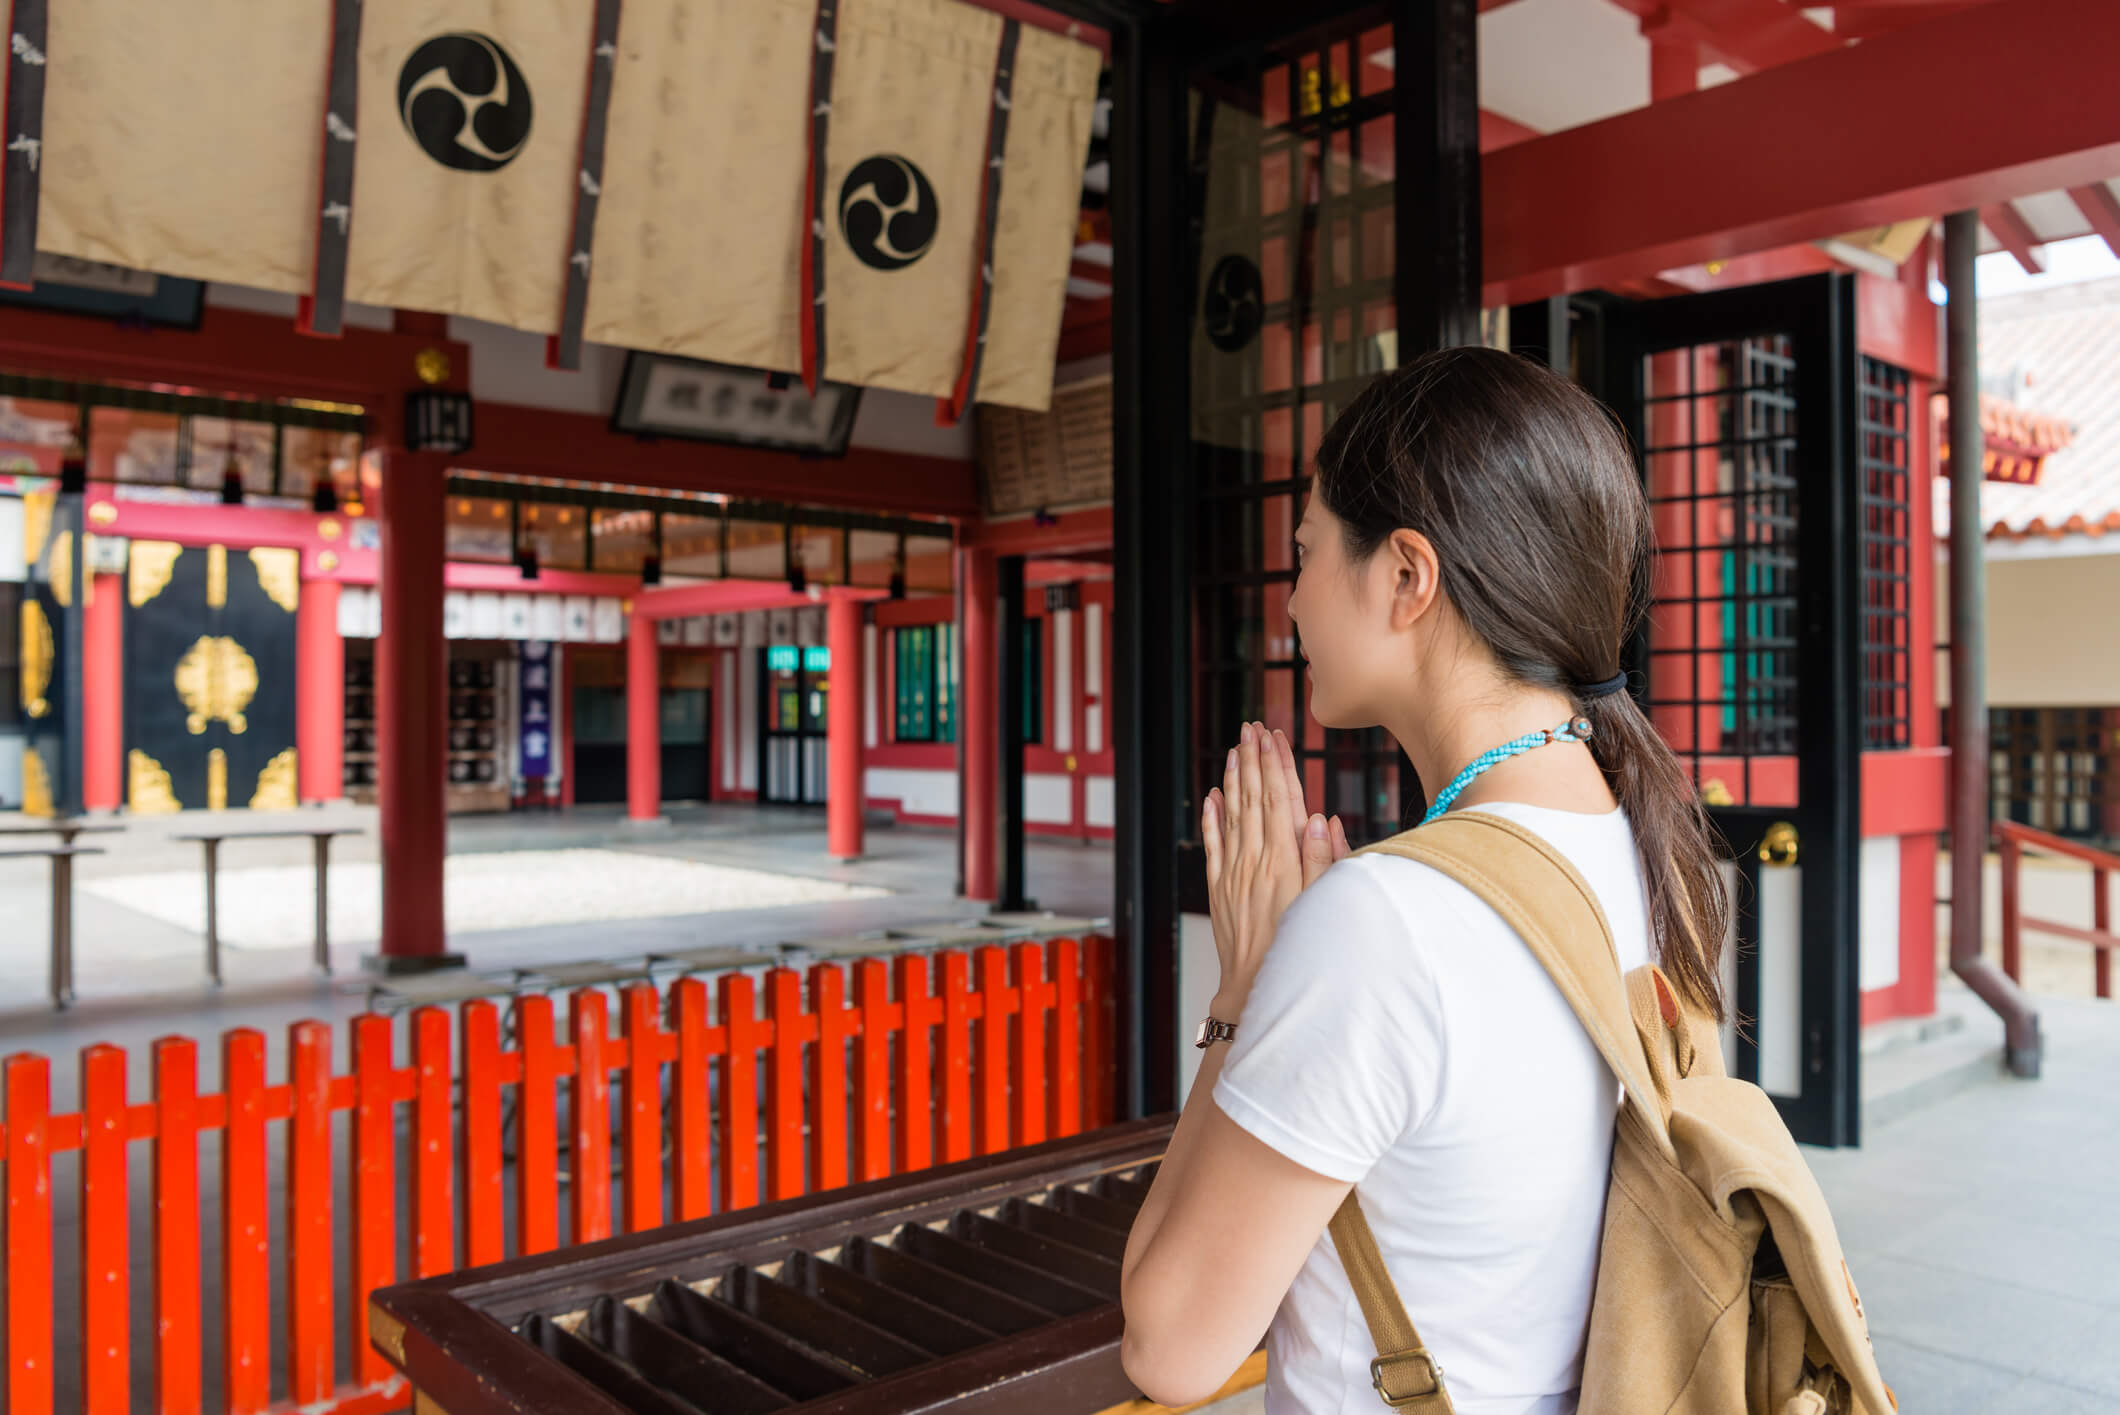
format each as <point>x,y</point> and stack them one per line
<point>2054,769</point>
<point>1296,312</point>
<point>1720,453</point>
<point>1887,559</point>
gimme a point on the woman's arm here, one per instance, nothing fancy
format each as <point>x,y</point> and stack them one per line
<point>1228,1220</point>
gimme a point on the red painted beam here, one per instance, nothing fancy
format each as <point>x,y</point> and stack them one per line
<point>232,352</point>
<point>2095,201</point>
<point>581,446</point>
<point>2013,235</point>
<point>1071,533</point>
<point>733,597</point>
<point>1770,162</point>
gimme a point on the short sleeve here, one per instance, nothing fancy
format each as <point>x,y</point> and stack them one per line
<point>1339,1050</point>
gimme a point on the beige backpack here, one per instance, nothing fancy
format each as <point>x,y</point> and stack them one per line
<point>1720,1284</point>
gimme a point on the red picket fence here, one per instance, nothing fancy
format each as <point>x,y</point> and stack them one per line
<point>967,1054</point>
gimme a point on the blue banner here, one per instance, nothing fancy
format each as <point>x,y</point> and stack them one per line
<point>535,720</point>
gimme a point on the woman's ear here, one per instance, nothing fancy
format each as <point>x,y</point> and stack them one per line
<point>1416,576</point>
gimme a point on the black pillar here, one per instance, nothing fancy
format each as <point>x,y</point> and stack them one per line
<point>1437,168</point>
<point>1150,303</point>
<point>1539,330</point>
<point>1009,891</point>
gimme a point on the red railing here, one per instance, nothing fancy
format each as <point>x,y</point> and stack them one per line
<point>2014,840</point>
<point>966,1054</point>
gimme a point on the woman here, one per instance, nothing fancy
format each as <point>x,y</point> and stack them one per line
<point>1473,562</point>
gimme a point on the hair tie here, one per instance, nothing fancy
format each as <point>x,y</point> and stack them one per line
<point>1617,683</point>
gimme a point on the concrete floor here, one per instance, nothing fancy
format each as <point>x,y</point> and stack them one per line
<point>1983,1225</point>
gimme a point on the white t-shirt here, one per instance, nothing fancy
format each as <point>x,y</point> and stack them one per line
<point>1402,1037</point>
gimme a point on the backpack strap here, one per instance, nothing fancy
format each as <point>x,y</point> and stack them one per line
<point>1405,1375</point>
<point>1551,906</point>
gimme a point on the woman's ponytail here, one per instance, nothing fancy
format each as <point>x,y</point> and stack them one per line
<point>1689,904</point>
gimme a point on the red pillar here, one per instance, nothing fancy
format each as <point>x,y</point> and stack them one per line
<point>979,727</point>
<point>643,721</point>
<point>845,794</point>
<point>319,693</point>
<point>102,695</point>
<point>412,698</point>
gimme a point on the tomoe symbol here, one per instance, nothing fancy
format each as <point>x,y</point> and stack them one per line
<point>1234,305</point>
<point>464,102</point>
<point>887,212</point>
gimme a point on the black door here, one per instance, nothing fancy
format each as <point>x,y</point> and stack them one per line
<point>793,685</point>
<point>209,677</point>
<point>1761,432</point>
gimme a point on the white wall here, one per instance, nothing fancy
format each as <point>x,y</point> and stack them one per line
<point>2053,635</point>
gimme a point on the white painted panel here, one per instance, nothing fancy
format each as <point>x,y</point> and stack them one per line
<point>1879,909</point>
<point>747,717</point>
<point>1100,805</point>
<point>548,618</point>
<point>1199,975</point>
<point>515,616</point>
<point>1780,1024</point>
<point>1049,798</point>
<point>780,626</point>
<point>811,632</point>
<point>608,619</point>
<point>670,631</point>
<point>918,791</point>
<point>1093,677</point>
<point>373,609</point>
<point>725,696</point>
<point>456,615</point>
<point>1063,709</point>
<point>871,670</point>
<point>726,630</point>
<point>696,631</point>
<point>1553,64</point>
<point>903,422</point>
<point>353,611</point>
<point>10,770</point>
<point>753,632</point>
<point>11,565</point>
<point>508,366</point>
<point>485,615</point>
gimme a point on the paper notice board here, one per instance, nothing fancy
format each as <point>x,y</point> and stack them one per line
<point>1050,460</point>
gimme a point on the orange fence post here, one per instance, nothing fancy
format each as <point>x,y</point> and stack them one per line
<point>921,1009</point>
<point>1064,1069</point>
<point>590,1116</point>
<point>739,1092</point>
<point>481,1122</point>
<point>2012,923</point>
<point>246,1277</point>
<point>2102,921</point>
<point>642,1134</point>
<point>374,1184</point>
<point>997,1000</point>
<point>536,1129</point>
<point>791,1028</point>
<point>879,1017</point>
<point>696,1044</point>
<point>176,1226</point>
<point>106,1286</point>
<point>433,1151</point>
<point>835,1023</point>
<point>956,1057</point>
<point>310,1362</point>
<point>1027,1078</point>
<point>28,1233</point>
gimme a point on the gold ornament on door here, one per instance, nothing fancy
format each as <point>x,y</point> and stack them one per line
<point>216,678</point>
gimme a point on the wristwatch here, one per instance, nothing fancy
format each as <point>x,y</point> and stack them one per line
<point>1214,1029</point>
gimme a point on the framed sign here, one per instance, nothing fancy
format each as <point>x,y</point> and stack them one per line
<point>665,396</point>
<point>110,291</point>
<point>1051,460</point>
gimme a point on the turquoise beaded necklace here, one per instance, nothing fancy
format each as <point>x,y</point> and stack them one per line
<point>1575,729</point>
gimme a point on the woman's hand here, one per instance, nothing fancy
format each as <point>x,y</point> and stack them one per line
<point>1261,852</point>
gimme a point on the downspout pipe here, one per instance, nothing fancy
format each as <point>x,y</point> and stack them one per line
<point>2022,1045</point>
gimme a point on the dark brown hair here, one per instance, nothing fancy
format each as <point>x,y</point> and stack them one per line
<point>1524,485</point>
